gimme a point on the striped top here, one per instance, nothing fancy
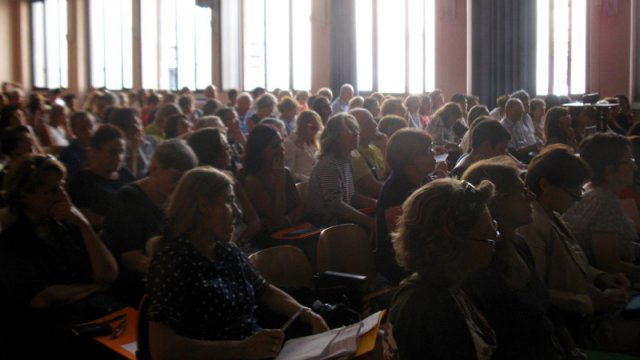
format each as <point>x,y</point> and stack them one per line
<point>330,188</point>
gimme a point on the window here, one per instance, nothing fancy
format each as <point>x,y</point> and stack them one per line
<point>561,47</point>
<point>276,39</point>
<point>395,43</point>
<point>111,53</point>
<point>176,44</point>
<point>49,44</point>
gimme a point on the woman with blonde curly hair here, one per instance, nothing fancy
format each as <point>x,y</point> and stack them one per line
<point>444,234</point>
<point>301,147</point>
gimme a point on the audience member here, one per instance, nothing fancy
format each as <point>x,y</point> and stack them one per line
<point>444,235</point>
<point>558,129</point>
<point>488,139</point>
<point>301,147</point>
<point>177,125</point>
<point>164,112</point>
<point>265,106</point>
<point>74,156</point>
<point>93,189</point>
<point>524,143</point>
<point>322,106</point>
<point>140,147</point>
<point>369,169</point>
<point>195,253</point>
<point>441,126</point>
<point>288,108</point>
<point>341,104</point>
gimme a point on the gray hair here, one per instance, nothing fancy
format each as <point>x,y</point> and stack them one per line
<point>175,154</point>
<point>332,129</point>
<point>266,100</point>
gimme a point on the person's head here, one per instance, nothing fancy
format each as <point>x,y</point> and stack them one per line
<point>340,136</point>
<point>302,96</point>
<point>58,115</point>
<point>211,107</point>
<point>264,145</point>
<point>367,125</point>
<point>185,102</point>
<point>35,103</point>
<point>322,106</point>
<point>15,97</point>
<point>346,92</point>
<point>537,108</point>
<point>106,149</point>
<point>609,156</point>
<point>475,112</point>
<point>17,142</point>
<point>265,105</point>
<point>557,124</point>
<point>325,92</point>
<point>211,147</point>
<point>389,124</point>
<point>176,126</point>
<point>556,175</point>
<point>623,100</point>
<point>12,116</point>
<point>446,231</point>
<point>152,101</point>
<point>425,104</point>
<point>412,104</point>
<point>211,92</point>
<point>308,127</point>
<point>257,92</point>
<point>514,109</point>
<point>34,185</point>
<point>277,124</point>
<point>460,99</point>
<point>489,138</point>
<point>127,120</point>
<point>409,151</point>
<point>511,205</point>
<point>449,113</point>
<point>523,96</point>
<point>164,112</point>
<point>370,103</point>
<point>232,95</point>
<point>171,159</point>
<point>203,201</point>
<point>71,101</point>
<point>356,102</point>
<point>288,108</point>
<point>472,100</point>
<point>437,99</point>
<point>393,106</point>
<point>244,102</point>
<point>228,115</point>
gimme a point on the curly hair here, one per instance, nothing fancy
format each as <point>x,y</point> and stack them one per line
<point>434,224</point>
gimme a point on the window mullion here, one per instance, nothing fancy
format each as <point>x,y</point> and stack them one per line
<point>374,46</point>
<point>406,47</point>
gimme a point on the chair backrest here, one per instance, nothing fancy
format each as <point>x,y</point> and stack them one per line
<point>345,248</point>
<point>284,266</point>
<point>143,352</point>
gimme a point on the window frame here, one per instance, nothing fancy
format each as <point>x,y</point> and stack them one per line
<point>32,63</point>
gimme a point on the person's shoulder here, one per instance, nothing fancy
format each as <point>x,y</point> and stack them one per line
<point>130,192</point>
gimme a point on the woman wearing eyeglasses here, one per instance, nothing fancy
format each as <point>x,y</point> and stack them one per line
<point>607,236</point>
<point>51,260</point>
<point>556,176</point>
<point>445,233</point>
<point>301,147</point>
<point>509,291</point>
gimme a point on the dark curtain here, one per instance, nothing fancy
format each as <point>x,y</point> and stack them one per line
<point>503,48</point>
<point>343,44</point>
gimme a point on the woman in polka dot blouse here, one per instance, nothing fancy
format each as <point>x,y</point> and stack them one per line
<point>202,289</point>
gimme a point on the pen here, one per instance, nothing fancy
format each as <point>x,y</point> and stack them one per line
<point>291,319</point>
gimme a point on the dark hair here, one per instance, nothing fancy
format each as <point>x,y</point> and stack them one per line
<point>124,118</point>
<point>224,111</point>
<point>257,142</point>
<point>559,166</point>
<point>77,116</point>
<point>232,93</point>
<point>257,92</point>
<point>105,134</point>
<point>10,139</point>
<point>211,106</point>
<point>153,99</point>
<point>171,125</point>
<point>207,146</point>
<point>185,101</point>
<point>5,115</point>
<point>458,97</point>
<point>404,146</point>
<point>488,129</point>
<point>551,122</point>
<point>601,151</point>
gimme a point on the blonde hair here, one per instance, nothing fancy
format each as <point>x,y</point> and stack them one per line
<point>331,134</point>
<point>305,119</point>
<point>182,212</point>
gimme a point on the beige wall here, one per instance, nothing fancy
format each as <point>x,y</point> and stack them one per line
<point>609,58</point>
